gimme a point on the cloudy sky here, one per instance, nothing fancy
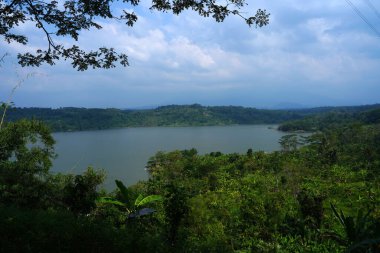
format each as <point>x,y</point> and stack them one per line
<point>313,53</point>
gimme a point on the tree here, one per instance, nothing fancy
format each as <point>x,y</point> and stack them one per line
<point>58,19</point>
<point>26,151</point>
<point>289,142</point>
<point>80,191</point>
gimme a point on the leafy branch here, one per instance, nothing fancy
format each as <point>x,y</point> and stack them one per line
<point>77,15</point>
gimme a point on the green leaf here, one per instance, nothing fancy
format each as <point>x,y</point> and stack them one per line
<point>148,199</point>
<point>341,220</point>
<point>108,200</point>
<point>138,199</point>
<point>123,190</point>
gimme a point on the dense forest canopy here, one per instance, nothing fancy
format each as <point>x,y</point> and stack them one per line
<point>77,119</point>
<point>319,194</point>
<point>333,119</point>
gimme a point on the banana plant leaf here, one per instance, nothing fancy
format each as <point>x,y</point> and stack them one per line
<point>107,200</point>
<point>140,201</point>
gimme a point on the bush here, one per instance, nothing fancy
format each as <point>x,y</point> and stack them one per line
<point>56,231</point>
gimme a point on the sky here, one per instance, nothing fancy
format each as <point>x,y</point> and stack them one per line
<point>312,53</point>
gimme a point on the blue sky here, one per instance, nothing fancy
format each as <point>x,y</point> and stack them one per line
<point>313,53</point>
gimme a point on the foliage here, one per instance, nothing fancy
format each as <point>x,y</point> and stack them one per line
<point>74,119</point>
<point>252,202</point>
<point>273,202</point>
<point>126,202</point>
<point>26,150</point>
<point>176,208</point>
<point>25,159</point>
<point>361,232</point>
<point>311,207</point>
<point>25,230</point>
<point>78,119</point>
<point>55,19</point>
<point>81,191</point>
<point>334,117</point>
<point>289,142</point>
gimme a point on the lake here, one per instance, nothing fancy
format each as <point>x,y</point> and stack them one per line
<point>123,153</point>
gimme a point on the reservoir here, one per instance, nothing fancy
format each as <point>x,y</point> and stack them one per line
<point>124,153</point>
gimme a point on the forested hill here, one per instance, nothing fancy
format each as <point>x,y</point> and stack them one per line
<point>334,118</point>
<point>74,119</point>
<point>77,119</point>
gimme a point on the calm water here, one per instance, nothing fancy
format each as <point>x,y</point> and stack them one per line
<point>123,153</point>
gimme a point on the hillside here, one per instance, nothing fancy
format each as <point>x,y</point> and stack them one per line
<point>334,118</point>
<point>79,119</point>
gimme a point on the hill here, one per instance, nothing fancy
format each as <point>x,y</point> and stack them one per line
<point>333,118</point>
<point>79,119</point>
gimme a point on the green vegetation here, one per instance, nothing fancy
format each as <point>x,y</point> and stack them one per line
<point>318,194</point>
<point>78,119</point>
<point>340,116</point>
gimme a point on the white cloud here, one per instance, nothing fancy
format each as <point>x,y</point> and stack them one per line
<point>184,50</point>
<point>320,27</point>
<point>309,46</point>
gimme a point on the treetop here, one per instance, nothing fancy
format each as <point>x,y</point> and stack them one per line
<point>67,19</point>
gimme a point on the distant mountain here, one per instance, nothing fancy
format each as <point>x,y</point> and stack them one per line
<point>288,105</point>
<point>145,107</point>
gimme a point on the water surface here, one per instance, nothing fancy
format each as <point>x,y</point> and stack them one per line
<point>123,153</point>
